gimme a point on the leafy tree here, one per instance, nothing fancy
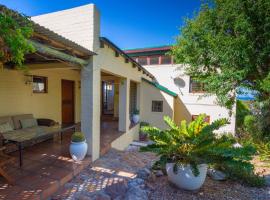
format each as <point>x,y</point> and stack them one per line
<point>227,46</point>
<point>196,143</point>
<point>15,29</point>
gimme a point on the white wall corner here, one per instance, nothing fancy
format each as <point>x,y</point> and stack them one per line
<point>79,24</point>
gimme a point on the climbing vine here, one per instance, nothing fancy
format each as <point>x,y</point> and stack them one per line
<point>15,29</point>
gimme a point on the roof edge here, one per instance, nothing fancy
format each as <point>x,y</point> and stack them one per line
<point>160,87</point>
<point>116,48</point>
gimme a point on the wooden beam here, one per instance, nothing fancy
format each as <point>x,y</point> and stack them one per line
<point>44,49</point>
<point>116,54</point>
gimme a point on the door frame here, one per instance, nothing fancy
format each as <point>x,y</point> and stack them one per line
<point>73,100</point>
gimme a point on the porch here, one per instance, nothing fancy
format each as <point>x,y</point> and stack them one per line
<point>47,166</point>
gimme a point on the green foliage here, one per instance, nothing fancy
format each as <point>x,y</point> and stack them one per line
<point>142,124</point>
<point>226,46</point>
<point>196,143</point>
<point>242,110</point>
<point>15,29</point>
<point>77,137</point>
<point>263,150</point>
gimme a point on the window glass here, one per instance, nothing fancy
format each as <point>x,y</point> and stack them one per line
<point>157,106</point>
<point>154,60</point>
<point>196,86</point>
<point>142,60</point>
<point>166,60</point>
<point>39,84</point>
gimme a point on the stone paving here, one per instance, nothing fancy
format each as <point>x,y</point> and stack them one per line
<point>125,175</point>
<point>113,176</point>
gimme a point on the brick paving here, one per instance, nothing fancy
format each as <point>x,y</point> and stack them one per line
<point>46,167</point>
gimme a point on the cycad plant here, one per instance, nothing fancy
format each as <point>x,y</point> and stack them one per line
<point>196,143</point>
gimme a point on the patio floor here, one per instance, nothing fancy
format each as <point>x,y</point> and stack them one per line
<point>108,133</point>
<point>46,167</point>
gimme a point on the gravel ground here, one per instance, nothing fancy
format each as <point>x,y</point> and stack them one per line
<point>117,166</point>
<point>211,190</point>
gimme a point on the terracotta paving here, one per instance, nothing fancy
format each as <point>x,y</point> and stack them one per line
<point>46,167</point>
<point>108,133</point>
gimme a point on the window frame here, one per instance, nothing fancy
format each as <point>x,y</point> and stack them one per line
<point>165,56</point>
<point>143,57</point>
<point>206,119</point>
<point>45,85</point>
<point>195,91</point>
<point>158,61</point>
<point>153,106</point>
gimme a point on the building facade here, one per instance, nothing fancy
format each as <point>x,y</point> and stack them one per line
<point>192,99</point>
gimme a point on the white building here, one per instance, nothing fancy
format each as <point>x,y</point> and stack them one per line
<point>192,99</point>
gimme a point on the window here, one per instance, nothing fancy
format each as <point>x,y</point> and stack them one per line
<point>154,60</point>
<point>195,86</point>
<point>157,106</point>
<point>207,118</point>
<point>142,60</point>
<point>132,97</point>
<point>40,84</point>
<point>166,60</point>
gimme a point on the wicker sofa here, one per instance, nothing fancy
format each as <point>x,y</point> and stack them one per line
<point>43,127</point>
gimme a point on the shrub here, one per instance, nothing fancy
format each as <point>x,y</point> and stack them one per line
<point>77,137</point>
<point>264,151</point>
<point>196,143</point>
<point>142,124</point>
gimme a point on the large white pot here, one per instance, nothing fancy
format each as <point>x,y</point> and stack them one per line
<point>184,177</point>
<point>135,119</point>
<point>78,150</point>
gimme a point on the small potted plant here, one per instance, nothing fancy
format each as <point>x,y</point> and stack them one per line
<point>143,135</point>
<point>185,151</point>
<point>78,146</point>
<point>136,116</point>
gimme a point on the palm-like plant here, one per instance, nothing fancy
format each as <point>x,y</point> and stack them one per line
<point>196,143</point>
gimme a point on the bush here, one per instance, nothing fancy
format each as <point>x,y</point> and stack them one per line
<point>195,143</point>
<point>242,110</point>
<point>77,137</point>
<point>250,125</point>
<point>264,151</point>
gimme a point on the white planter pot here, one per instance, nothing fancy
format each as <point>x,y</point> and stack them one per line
<point>184,177</point>
<point>78,150</point>
<point>135,118</point>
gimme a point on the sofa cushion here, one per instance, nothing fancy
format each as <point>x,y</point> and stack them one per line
<point>28,123</point>
<point>17,118</point>
<point>7,119</point>
<point>6,127</point>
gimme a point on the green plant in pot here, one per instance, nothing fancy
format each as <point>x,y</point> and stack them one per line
<point>136,116</point>
<point>187,150</point>
<point>78,147</point>
<point>143,135</point>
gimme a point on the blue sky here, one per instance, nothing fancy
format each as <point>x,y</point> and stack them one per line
<point>128,23</point>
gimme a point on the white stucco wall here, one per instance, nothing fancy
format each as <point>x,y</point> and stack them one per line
<point>194,102</point>
<point>150,93</point>
<point>79,24</point>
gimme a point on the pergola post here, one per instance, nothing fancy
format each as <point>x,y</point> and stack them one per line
<point>90,108</point>
<point>124,120</point>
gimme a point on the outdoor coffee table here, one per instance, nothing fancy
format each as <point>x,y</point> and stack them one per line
<point>24,136</point>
